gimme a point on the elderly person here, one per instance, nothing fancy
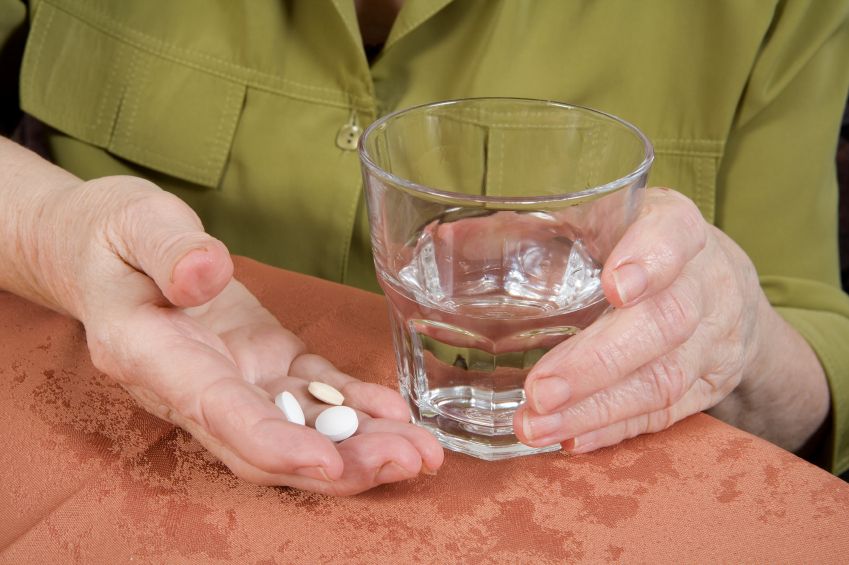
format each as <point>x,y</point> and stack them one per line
<point>247,115</point>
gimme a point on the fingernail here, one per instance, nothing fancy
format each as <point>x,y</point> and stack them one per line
<point>389,472</point>
<point>313,472</point>
<point>538,427</point>
<point>197,252</point>
<point>631,281</point>
<point>567,446</point>
<point>428,471</point>
<point>583,444</point>
<point>549,393</point>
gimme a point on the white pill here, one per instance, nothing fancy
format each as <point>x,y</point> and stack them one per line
<point>326,393</point>
<point>286,402</point>
<point>337,423</point>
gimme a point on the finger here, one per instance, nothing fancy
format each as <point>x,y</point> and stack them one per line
<point>370,460</point>
<point>692,402</point>
<point>160,235</point>
<point>179,364</point>
<point>202,270</point>
<point>252,427</point>
<point>373,399</point>
<point>249,472</point>
<point>428,447</point>
<point>668,233</point>
<point>615,346</point>
<point>378,458</point>
<point>657,385</point>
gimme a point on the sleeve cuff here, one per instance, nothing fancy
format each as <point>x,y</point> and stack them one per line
<point>828,335</point>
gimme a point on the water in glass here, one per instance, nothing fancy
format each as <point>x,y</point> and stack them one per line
<point>480,299</point>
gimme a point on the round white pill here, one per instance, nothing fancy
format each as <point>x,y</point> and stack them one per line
<point>286,402</point>
<point>326,393</point>
<point>337,423</point>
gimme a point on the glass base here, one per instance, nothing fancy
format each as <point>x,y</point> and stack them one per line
<point>486,451</point>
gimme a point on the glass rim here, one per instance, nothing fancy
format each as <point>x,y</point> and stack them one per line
<point>466,199</point>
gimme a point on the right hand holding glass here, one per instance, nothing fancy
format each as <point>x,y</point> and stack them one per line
<point>692,330</point>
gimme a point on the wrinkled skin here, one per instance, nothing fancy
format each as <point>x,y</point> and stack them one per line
<point>165,318</point>
<point>685,332</point>
<point>691,331</point>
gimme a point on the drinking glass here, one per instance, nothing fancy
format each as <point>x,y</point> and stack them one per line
<point>490,221</point>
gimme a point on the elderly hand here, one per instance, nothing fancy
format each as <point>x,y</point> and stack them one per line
<point>688,327</point>
<point>164,317</point>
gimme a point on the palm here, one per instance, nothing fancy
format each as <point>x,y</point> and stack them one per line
<point>214,369</point>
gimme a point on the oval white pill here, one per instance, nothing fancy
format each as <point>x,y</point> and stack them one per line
<point>286,402</point>
<point>337,423</point>
<point>326,393</point>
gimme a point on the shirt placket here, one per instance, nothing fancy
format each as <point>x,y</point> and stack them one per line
<point>365,105</point>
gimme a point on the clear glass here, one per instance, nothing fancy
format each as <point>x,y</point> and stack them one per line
<point>490,221</point>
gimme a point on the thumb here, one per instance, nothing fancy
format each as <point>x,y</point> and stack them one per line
<point>198,275</point>
<point>166,240</point>
<point>654,250</point>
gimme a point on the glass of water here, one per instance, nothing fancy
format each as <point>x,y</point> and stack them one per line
<point>490,220</point>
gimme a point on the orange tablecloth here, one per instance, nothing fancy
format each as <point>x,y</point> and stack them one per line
<point>86,476</point>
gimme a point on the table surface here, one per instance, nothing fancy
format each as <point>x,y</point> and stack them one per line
<point>87,476</point>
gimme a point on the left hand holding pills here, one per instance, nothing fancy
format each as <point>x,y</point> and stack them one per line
<point>166,319</point>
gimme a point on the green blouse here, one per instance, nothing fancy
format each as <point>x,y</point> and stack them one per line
<point>243,109</point>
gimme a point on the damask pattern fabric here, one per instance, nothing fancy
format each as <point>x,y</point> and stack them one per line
<point>88,477</point>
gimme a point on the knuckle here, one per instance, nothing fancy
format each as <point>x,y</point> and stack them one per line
<point>668,381</point>
<point>159,204</point>
<point>659,193</point>
<point>678,233</point>
<point>660,420</point>
<point>137,212</point>
<point>686,213</point>
<point>689,213</point>
<point>727,366</point>
<point>695,226</point>
<point>597,409</point>
<point>123,198</point>
<point>635,427</point>
<point>675,316</point>
<point>607,359</point>
<point>121,185</point>
<point>677,198</point>
<point>721,383</point>
<point>691,221</point>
